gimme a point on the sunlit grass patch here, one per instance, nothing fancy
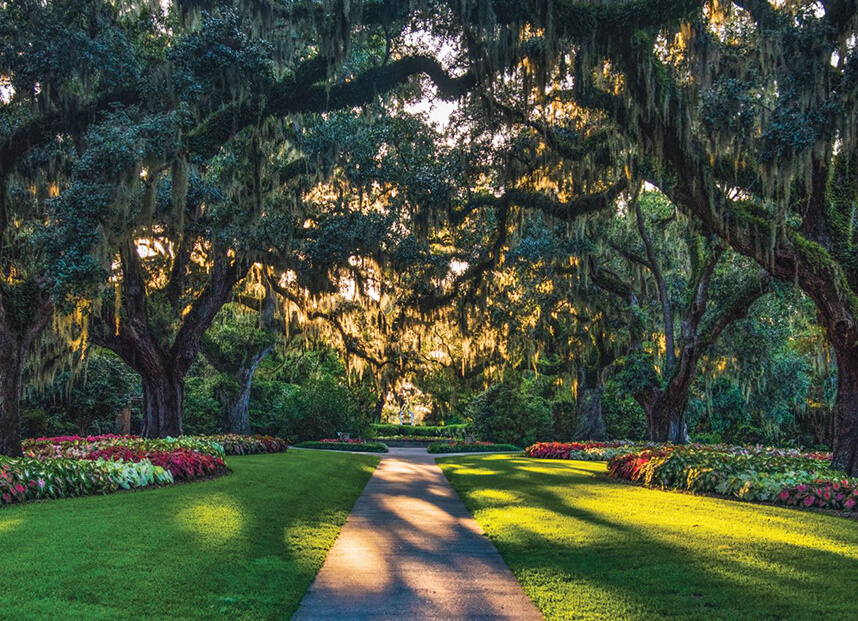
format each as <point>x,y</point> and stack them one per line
<point>587,547</point>
<point>242,547</point>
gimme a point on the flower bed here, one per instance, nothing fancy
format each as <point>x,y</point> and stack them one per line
<point>755,474</point>
<point>23,479</point>
<point>345,445</point>
<point>584,451</point>
<point>474,447</point>
<point>76,447</point>
<point>234,444</point>
<point>406,439</point>
<point>66,466</point>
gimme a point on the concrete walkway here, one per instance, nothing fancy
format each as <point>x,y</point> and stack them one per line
<point>410,550</point>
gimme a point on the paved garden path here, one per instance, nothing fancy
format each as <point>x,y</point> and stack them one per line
<point>410,550</point>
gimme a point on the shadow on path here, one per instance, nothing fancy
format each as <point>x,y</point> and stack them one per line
<point>410,550</point>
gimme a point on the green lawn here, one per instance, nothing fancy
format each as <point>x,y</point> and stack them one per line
<point>588,548</point>
<point>244,546</point>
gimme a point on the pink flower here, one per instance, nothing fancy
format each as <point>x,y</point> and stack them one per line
<point>19,488</point>
<point>849,504</point>
<point>808,501</point>
<point>784,494</point>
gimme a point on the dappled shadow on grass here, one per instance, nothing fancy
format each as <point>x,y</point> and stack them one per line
<point>239,547</point>
<point>586,548</point>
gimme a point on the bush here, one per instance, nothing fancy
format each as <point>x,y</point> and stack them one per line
<point>623,416</point>
<point>319,408</point>
<point>336,445</point>
<point>425,431</point>
<point>462,447</point>
<point>507,413</point>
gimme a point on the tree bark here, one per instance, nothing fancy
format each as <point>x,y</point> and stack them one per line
<point>163,394</point>
<point>23,318</point>
<point>846,412</point>
<point>237,414</point>
<point>11,375</point>
<point>665,414</point>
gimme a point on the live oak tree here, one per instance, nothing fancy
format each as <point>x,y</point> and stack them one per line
<point>693,304</point>
<point>190,83</point>
<point>742,113</point>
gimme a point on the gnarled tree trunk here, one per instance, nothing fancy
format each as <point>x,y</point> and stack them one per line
<point>236,413</point>
<point>11,374</point>
<point>163,394</point>
<point>846,412</point>
<point>23,318</point>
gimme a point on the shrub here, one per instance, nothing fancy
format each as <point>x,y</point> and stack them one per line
<point>337,445</point>
<point>462,447</point>
<point>506,413</point>
<point>318,408</point>
<point>424,431</point>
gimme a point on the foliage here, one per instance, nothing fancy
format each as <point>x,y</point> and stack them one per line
<point>459,446</point>
<point>83,401</point>
<point>77,447</point>
<point>624,417</point>
<point>757,475</point>
<point>234,444</point>
<point>357,446</point>
<point>582,451</point>
<point>423,431</point>
<point>184,458</point>
<point>510,413</point>
<point>23,479</point>
<point>184,464</point>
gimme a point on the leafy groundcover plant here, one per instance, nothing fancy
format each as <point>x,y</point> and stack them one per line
<point>25,478</point>
<point>234,444</point>
<point>458,446</point>
<point>66,466</point>
<point>780,476</point>
<point>354,444</point>
<point>583,451</point>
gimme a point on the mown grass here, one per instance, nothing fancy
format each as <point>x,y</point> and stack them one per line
<point>240,547</point>
<point>589,548</point>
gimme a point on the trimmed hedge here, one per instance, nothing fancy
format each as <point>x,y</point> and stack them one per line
<point>461,447</point>
<point>357,447</point>
<point>425,431</point>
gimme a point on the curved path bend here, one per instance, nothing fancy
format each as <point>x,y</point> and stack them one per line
<point>410,550</point>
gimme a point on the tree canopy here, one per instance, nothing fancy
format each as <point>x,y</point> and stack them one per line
<point>622,190</point>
